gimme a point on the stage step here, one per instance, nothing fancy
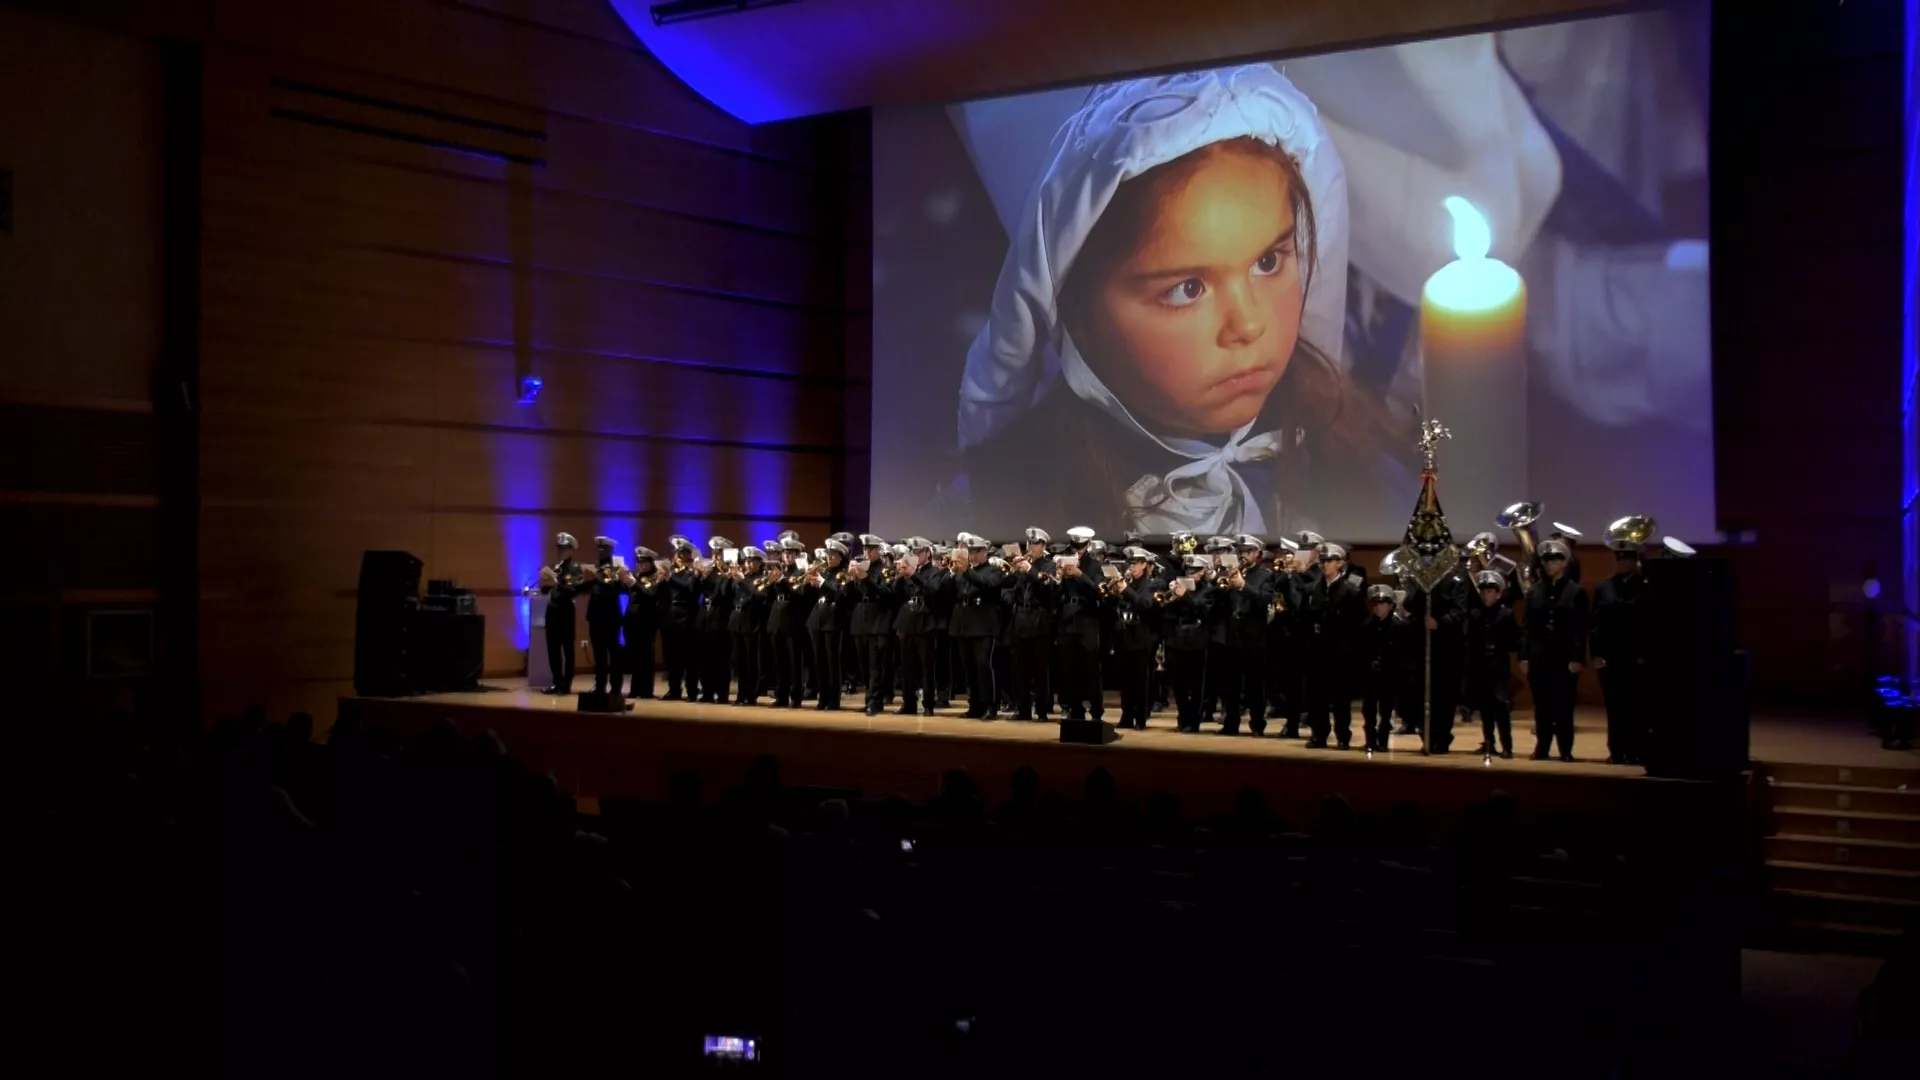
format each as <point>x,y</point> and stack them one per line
<point>1865,776</point>
<point>1846,824</point>
<point>1850,880</point>
<point>1845,939</point>
<point>1841,908</point>
<point>1876,800</point>
<point>1852,851</point>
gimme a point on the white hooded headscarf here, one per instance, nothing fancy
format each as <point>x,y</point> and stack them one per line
<point>1118,132</point>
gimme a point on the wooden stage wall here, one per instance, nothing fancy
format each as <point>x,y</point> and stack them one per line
<point>408,204</point>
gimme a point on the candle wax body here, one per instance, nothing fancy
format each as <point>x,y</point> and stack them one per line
<point>1473,328</point>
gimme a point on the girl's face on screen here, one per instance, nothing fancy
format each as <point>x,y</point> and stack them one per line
<point>1193,322</point>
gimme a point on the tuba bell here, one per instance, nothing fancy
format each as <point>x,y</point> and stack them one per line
<point>1630,533</point>
<point>1519,518</point>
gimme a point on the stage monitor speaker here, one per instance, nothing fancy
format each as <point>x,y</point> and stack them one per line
<point>1695,690</point>
<point>602,702</point>
<point>1086,732</point>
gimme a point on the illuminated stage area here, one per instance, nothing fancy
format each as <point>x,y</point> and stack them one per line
<point>596,757</point>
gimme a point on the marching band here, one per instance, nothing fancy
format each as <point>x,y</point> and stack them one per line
<point>1220,630</point>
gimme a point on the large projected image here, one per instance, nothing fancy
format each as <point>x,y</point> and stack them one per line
<point>1219,301</point>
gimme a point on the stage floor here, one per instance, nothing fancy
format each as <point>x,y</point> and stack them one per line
<point>1801,737</point>
<point>594,757</point>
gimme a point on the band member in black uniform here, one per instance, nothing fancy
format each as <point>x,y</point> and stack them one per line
<point>1249,592</point>
<point>1571,537</point>
<point>1306,577</point>
<point>1184,604</point>
<point>715,654</point>
<point>806,684</point>
<point>679,595</point>
<point>1442,613</point>
<point>1030,633</point>
<point>827,620</point>
<point>1092,565</point>
<point>1380,656</point>
<point>1134,638</point>
<point>1556,644</point>
<point>1220,675</point>
<point>849,666</point>
<point>603,615</point>
<point>1484,554</point>
<point>646,598</point>
<point>789,601</point>
<point>560,583</point>
<point>1077,634</point>
<point>976,619</point>
<point>873,621</point>
<point>1618,651</point>
<point>1492,638</point>
<point>747,625</point>
<point>1334,610</point>
<point>924,589</point>
<point>1280,661</point>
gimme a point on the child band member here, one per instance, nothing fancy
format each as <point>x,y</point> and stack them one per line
<point>1380,655</point>
<point>1492,638</point>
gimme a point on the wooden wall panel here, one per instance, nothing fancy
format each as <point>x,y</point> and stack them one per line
<point>369,379</point>
<point>409,204</point>
<point>433,297</point>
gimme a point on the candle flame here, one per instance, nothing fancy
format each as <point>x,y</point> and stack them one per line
<point>1471,237</point>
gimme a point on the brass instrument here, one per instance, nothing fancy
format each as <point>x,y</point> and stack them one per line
<point>1631,532</point>
<point>1481,547</point>
<point>1520,518</point>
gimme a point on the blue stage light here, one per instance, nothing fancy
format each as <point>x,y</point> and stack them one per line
<point>530,386</point>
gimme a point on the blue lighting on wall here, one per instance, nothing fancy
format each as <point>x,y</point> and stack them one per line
<point>520,470</point>
<point>1910,350</point>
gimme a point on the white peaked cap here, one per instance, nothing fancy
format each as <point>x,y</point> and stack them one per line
<point>1037,535</point>
<point>1332,551</point>
<point>1567,530</point>
<point>836,546</point>
<point>1080,534</point>
<point>872,540</point>
<point>1195,562</point>
<point>1120,131</point>
<point>645,552</point>
<point>565,540</point>
<point>719,543</point>
<point>1139,554</point>
<point>606,540</point>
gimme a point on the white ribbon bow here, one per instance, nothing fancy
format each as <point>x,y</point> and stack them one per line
<point>1205,495</point>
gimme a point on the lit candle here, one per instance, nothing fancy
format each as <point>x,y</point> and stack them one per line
<point>1473,329</point>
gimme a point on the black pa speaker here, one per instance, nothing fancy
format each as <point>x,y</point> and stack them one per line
<point>382,642</point>
<point>1695,681</point>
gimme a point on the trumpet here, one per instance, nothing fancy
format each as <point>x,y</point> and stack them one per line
<point>1111,586</point>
